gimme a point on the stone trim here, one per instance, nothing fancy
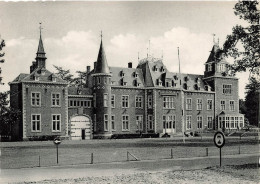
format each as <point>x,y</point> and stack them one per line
<point>80,96</point>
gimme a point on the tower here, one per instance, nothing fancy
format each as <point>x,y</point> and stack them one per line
<point>102,95</point>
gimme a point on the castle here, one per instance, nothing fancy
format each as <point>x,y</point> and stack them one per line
<point>145,100</point>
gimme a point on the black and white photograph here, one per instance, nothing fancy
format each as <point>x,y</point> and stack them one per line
<point>129,92</point>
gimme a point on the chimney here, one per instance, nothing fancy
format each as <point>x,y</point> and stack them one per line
<point>95,65</point>
<point>88,69</point>
<point>33,66</point>
<point>130,65</point>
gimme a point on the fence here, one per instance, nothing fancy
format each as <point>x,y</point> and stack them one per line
<point>44,157</point>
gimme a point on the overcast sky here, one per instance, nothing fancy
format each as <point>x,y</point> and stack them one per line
<point>71,33</point>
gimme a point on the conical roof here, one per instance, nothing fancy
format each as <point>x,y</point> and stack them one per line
<point>40,46</point>
<point>212,56</point>
<point>102,66</point>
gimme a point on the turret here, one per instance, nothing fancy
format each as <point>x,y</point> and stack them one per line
<point>40,55</point>
<point>102,95</point>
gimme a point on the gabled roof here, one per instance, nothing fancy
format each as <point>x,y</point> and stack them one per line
<point>102,66</point>
<point>129,76</point>
<point>43,74</point>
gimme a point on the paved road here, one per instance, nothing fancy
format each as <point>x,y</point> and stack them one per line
<point>109,169</point>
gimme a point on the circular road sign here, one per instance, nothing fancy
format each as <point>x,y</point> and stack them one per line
<point>219,139</point>
<point>57,141</point>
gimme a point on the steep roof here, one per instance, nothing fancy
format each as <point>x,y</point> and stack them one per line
<point>131,76</point>
<point>213,55</point>
<point>40,46</point>
<point>75,91</point>
<point>102,66</point>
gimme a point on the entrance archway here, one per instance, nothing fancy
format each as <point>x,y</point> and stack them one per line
<point>80,127</point>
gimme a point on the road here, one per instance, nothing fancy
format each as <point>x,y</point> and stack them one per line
<point>118,168</point>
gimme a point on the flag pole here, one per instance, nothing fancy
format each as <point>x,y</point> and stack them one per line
<point>182,99</point>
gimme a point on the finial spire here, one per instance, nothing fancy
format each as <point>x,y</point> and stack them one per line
<point>101,35</point>
<point>214,38</point>
<point>40,29</point>
<point>138,56</point>
<point>149,48</point>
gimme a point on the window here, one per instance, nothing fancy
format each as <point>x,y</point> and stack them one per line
<point>209,104</point>
<point>168,121</point>
<point>113,126</point>
<point>36,122</point>
<point>150,101</point>
<point>199,104</point>
<point>222,105</point>
<point>199,122</point>
<point>55,99</point>
<point>210,122</point>
<point>139,122</point>
<point>95,122</point>
<point>188,104</point>
<point>105,122</point>
<point>95,99</point>
<point>125,101</point>
<point>105,100</point>
<point>138,101</point>
<point>227,122</point>
<point>188,122</point>
<point>226,89</point>
<point>241,122</point>
<point>236,122</point>
<point>71,103</point>
<point>113,101</point>
<point>36,99</point>
<point>168,102</point>
<point>232,122</point>
<point>150,122</point>
<point>99,80</point>
<point>125,121</point>
<point>56,123</point>
<point>209,67</point>
<point>232,105</point>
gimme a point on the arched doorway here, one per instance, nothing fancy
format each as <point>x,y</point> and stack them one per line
<point>80,127</point>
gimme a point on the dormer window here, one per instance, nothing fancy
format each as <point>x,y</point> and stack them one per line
<point>209,67</point>
<point>207,88</point>
<point>122,74</point>
<point>162,69</point>
<point>175,77</point>
<point>198,80</point>
<point>54,79</point>
<point>159,82</point>
<point>221,67</point>
<point>36,78</point>
<point>173,83</point>
<point>138,84</point>
<point>197,87</point>
<point>135,75</point>
<point>155,68</point>
<point>187,78</point>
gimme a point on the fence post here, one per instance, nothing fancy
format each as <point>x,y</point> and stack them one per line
<point>91,158</point>
<point>171,154</point>
<point>39,160</point>
<point>207,152</point>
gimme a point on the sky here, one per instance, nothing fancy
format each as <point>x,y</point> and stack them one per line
<point>71,33</point>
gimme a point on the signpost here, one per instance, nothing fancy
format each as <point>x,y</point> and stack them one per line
<point>57,141</point>
<point>219,140</point>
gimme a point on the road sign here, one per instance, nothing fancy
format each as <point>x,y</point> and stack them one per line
<point>57,141</point>
<point>219,139</point>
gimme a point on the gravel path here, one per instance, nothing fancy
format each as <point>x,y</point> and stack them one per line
<point>228,174</point>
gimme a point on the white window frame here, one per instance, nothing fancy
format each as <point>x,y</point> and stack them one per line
<point>199,104</point>
<point>125,102</point>
<point>106,128</point>
<point>56,121</point>
<point>226,90</point>
<point>57,101</point>
<point>105,100</point>
<point>150,101</point>
<point>113,123</point>
<point>138,102</point>
<point>125,121</point>
<point>150,122</point>
<point>188,105</point>
<point>139,122</point>
<point>113,100</point>
<point>222,105</point>
<point>210,123</point>
<point>35,99</point>
<point>199,122</point>
<point>168,102</point>
<point>232,106</point>
<point>208,104</point>
<point>188,122</point>
<point>36,121</point>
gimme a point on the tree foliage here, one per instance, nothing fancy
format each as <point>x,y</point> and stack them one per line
<point>246,57</point>
<point>252,100</point>
<point>2,44</point>
<point>67,76</point>
<point>8,116</point>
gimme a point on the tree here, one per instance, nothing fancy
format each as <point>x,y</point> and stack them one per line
<point>252,100</point>
<point>247,56</point>
<point>8,116</point>
<point>2,44</point>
